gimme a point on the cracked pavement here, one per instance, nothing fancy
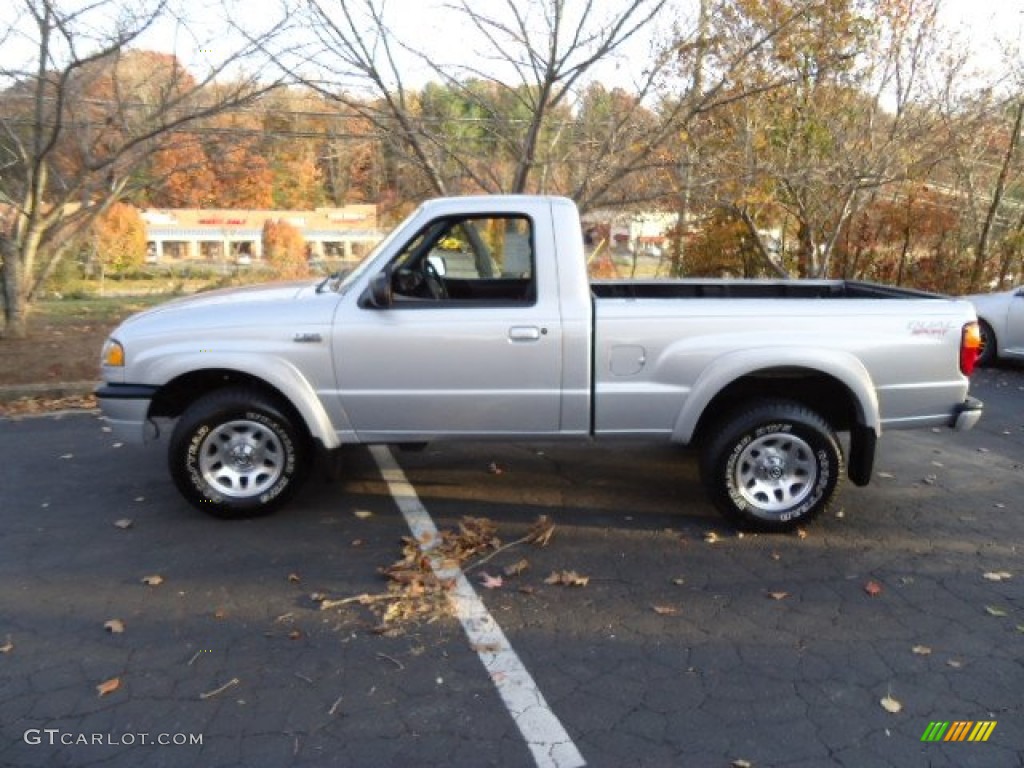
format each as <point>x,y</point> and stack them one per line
<point>682,650</point>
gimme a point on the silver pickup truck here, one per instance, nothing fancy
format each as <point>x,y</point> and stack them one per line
<point>475,320</point>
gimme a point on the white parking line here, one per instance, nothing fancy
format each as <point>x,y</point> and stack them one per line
<point>548,742</point>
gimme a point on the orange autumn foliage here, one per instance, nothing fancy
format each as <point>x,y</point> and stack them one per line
<point>284,249</point>
<point>120,237</point>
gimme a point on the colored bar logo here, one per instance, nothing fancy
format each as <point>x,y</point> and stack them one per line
<point>963,730</point>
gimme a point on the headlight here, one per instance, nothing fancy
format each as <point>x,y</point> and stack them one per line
<point>113,354</point>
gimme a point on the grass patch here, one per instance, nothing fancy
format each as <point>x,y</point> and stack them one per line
<point>65,338</point>
<point>107,309</point>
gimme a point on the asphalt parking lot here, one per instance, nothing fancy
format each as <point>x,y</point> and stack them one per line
<point>688,645</point>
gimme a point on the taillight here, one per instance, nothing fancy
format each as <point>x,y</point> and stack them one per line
<point>970,348</point>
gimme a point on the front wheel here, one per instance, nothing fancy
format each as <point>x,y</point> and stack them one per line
<point>233,453</point>
<point>773,466</point>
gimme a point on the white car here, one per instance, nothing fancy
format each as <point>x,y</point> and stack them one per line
<point>1001,317</point>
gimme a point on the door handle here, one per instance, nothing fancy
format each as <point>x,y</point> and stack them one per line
<point>525,333</point>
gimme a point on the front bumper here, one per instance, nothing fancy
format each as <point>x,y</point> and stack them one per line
<point>966,415</point>
<point>125,408</point>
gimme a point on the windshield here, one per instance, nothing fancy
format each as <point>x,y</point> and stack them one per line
<point>343,285</point>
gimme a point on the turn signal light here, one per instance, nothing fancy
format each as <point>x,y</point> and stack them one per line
<point>970,348</point>
<point>113,354</point>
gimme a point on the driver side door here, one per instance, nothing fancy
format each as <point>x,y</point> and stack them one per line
<point>462,345</point>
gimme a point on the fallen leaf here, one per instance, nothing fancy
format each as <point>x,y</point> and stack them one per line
<point>801,533</point>
<point>295,634</point>
<point>153,581</point>
<point>567,579</point>
<point>997,576</point>
<point>7,647</point>
<point>363,514</point>
<point>889,704</point>
<point>778,595</point>
<point>993,610</point>
<point>114,626</point>
<point>666,610</point>
<point>494,469</point>
<point>124,523</point>
<point>108,686</point>
<point>775,556</point>
<point>294,578</point>
<point>486,647</point>
<point>921,650</point>
<point>680,581</point>
<point>873,588</point>
<point>518,568</point>
<point>490,582</point>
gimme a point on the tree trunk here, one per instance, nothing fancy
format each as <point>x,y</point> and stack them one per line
<point>15,307</point>
<point>759,245</point>
<point>806,255</point>
<point>981,253</point>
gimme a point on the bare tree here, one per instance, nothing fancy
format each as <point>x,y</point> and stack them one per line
<point>533,58</point>
<point>800,161</point>
<point>87,108</point>
<point>981,252</point>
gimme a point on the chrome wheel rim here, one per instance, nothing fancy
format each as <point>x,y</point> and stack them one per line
<point>775,473</point>
<point>241,459</point>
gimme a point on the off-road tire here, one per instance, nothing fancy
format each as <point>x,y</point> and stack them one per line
<point>772,466</point>
<point>234,453</point>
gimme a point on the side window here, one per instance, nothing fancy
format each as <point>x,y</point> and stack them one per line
<point>483,259</point>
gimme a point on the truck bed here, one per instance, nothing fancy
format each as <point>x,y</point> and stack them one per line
<point>750,289</point>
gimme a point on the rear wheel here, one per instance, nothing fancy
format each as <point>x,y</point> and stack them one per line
<point>234,453</point>
<point>987,350</point>
<point>773,466</point>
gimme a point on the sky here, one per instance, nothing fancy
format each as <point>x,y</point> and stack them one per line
<point>987,23</point>
<point>430,26</point>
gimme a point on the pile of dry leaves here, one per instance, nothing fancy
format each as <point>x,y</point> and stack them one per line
<point>32,406</point>
<point>416,593</point>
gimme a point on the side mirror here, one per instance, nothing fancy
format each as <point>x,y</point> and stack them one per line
<point>380,289</point>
